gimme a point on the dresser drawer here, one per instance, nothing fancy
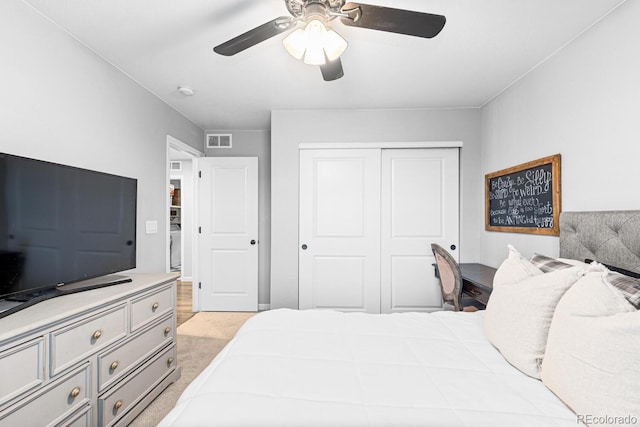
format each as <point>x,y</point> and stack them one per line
<point>153,306</point>
<point>55,402</point>
<point>120,360</point>
<point>75,342</point>
<point>115,403</point>
<point>79,419</point>
<point>22,369</point>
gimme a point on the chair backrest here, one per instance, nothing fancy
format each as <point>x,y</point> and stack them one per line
<point>450,276</point>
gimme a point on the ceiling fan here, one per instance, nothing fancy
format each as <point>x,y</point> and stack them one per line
<point>318,44</point>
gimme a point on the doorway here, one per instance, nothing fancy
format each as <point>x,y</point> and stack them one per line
<point>176,247</point>
<point>181,212</point>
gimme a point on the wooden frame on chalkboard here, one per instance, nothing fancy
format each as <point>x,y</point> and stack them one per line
<point>524,198</point>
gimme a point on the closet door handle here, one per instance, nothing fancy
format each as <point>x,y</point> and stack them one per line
<point>304,247</point>
<point>253,242</point>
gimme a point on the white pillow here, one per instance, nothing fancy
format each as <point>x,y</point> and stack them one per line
<point>514,268</point>
<point>592,360</point>
<point>519,313</point>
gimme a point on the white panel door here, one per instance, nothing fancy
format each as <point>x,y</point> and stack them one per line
<point>228,238</point>
<point>419,200</point>
<point>339,252</point>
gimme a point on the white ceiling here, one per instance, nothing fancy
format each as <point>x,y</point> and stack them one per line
<point>485,46</point>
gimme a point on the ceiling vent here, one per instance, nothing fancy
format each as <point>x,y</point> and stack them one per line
<point>218,140</point>
<point>175,166</point>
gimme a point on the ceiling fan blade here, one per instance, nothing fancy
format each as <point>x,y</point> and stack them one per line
<point>255,36</point>
<point>399,21</point>
<point>332,70</point>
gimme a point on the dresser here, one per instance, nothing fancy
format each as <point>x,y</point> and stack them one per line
<point>93,358</point>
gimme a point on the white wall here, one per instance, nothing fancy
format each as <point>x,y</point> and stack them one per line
<point>255,143</point>
<point>62,103</point>
<point>584,103</point>
<point>290,128</point>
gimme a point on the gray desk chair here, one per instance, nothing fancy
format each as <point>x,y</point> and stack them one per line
<point>450,280</point>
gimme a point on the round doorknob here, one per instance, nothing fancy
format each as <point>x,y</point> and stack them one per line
<point>253,242</point>
<point>453,247</point>
<point>304,247</point>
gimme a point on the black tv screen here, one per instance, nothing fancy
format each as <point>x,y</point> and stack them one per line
<point>61,224</point>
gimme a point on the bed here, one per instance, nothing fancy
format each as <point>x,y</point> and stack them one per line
<point>328,368</point>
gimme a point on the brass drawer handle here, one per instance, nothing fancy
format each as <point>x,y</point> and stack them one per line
<point>155,306</point>
<point>75,392</point>
<point>169,362</point>
<point>114,365</point>
<point>167,330</point>
<point>117,405</point>
<point>97,334</point>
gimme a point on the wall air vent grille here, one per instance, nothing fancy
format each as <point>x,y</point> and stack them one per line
<point>218,140</point>
<point>175,166</point>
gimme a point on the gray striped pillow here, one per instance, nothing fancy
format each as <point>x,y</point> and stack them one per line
<point>548,264</point>
<point>626,285</point>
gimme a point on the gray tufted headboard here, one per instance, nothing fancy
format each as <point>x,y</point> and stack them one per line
<point>609,237</point>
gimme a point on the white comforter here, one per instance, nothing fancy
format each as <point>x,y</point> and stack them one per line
<point>326,368</point>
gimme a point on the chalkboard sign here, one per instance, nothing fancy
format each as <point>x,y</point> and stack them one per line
<point>524,198</point>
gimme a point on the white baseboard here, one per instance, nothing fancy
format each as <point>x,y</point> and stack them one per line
<point>264,307</point>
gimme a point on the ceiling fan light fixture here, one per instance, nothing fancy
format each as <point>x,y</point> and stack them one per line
<point>315,43</point>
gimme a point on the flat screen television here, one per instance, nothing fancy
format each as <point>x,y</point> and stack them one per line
<point>60,225</point>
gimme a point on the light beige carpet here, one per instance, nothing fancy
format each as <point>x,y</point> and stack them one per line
<point>214,325</point>
<point>200,339</point>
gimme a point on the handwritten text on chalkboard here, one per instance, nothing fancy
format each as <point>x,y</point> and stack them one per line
<point>523,197</point>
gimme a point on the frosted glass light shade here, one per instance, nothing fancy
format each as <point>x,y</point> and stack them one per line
<point>314,42</point>
<point>295,43</point>
<point>315,32</point>
<point>334,45</point>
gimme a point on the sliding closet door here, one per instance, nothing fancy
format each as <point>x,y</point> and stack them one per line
<point>419,200</point>
<point>339,252</point>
